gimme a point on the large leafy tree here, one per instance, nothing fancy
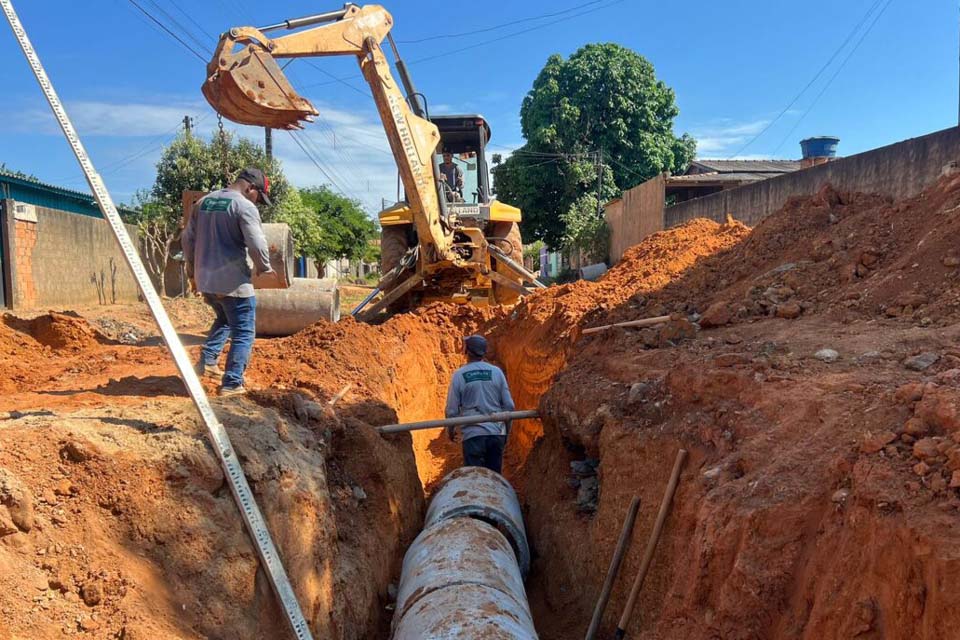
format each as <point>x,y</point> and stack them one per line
<point>595,124</point>
<point>329,226</point>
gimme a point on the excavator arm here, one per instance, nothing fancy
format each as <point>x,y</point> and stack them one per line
<point>245,84</point>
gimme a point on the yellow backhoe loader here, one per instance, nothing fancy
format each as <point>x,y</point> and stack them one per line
<point>435,244</point>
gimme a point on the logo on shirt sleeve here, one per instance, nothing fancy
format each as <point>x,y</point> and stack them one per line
<point>477,376</point>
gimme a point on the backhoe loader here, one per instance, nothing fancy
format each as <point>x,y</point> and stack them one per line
<point>435,245</point>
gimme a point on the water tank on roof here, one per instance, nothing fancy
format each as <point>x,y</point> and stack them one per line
<point>819,147</point>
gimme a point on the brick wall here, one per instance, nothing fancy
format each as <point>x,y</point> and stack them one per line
<point>63,259</point>
<point>25,240</point>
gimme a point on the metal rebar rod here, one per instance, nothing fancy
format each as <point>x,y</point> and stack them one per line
<point>252,517</point>
<point>622,545</point>
<point>458,422</point>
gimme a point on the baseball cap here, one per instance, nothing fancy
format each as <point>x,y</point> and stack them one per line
<point>259,181</point>
<point>477,345</point>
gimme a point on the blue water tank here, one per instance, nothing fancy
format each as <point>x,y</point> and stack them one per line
<point>820,147</point>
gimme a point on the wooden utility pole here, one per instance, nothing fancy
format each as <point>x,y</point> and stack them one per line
<point>268,142</point>
<point>188,125</point>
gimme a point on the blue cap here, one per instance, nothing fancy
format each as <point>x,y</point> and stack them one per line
<point>477,345</point>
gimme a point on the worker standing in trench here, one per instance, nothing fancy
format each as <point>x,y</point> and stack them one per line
<point>479,388</point>
<point>222,227</point>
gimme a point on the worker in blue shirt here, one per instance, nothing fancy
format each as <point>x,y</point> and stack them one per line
<point>479,388</point>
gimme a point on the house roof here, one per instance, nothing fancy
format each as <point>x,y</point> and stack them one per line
<point>33,191</point>
<point>713,176</point>
<point>748,166</point>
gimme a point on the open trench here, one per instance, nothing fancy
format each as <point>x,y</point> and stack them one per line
<point>817,501</point>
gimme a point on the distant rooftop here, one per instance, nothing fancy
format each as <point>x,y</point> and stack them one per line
<point>746,166</point>
<point>715,176</point>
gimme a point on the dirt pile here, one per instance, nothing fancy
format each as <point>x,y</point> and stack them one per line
<point>133,532</point>
<point>817,502</point>
<point>535,339</point>
<point>848,254</point>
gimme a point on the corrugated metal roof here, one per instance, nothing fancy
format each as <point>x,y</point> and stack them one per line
<point>719,177</point>
<point>749,166</point>
<point>33,191</point>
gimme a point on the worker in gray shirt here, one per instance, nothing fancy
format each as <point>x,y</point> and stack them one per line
<point>479,388</point>
<point>223,226</point>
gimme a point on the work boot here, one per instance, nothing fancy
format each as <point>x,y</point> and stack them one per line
<point>226,392</point>
<point>209,370</point>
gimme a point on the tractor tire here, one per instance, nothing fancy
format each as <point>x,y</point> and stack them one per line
<point>393,244</point>
<point>512,244</point>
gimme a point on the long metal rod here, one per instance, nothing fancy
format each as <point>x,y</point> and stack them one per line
<point>306,21</point>
<point>520,269</point>
<point>651,544</point>
<point>459,422</point>
<point>242,494</point>
<point>365,302</point>
<point>622,545</point>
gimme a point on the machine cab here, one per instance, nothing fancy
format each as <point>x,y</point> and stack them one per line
<point>463,141</point>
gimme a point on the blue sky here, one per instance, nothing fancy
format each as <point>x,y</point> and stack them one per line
<point>736,67</point>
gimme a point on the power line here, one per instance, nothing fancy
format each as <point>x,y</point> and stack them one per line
<point>195,23</point>
<point>499,26</point>
<point>843,63</point>
<point>165,28</point>
<point>819,73</point>
<point>178,25</point>
<point>483,43</point>
<point>516,33</point>
<point>365,94</point>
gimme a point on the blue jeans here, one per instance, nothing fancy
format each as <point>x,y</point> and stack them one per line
<point>236,319</point>
<point>484,451</point>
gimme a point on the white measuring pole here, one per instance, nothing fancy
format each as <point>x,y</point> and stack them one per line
<point>252,517</point>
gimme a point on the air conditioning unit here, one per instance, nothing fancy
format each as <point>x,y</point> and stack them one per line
<point>24,211</point>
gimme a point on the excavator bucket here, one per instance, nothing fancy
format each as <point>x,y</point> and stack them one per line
<point>248,87</point>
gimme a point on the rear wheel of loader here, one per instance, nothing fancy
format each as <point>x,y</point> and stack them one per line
<point>394,243</point>
<point>507,238</point>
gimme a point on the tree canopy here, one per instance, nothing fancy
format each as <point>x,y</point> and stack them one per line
<point>191,163</point>
<point>326,225</point>
<point>595,124</point>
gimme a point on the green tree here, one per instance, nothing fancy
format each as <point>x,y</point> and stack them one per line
<point>599,121</point>
<point>335,226</point>
<point>190,163</point>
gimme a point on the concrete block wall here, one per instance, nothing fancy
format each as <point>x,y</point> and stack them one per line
<point>899,170</point>
<point>57,259</point>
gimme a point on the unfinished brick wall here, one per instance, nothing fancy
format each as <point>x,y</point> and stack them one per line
<point>64,259</point>
<point>25,239</point>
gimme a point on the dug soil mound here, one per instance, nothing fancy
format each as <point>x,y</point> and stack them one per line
<point>119,523</point>
<point>59,331</point>
<point>820,408</point>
